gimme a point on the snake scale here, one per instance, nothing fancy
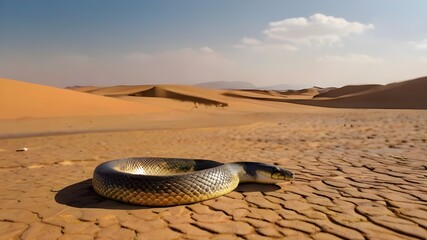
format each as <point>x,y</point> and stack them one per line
<point>153,181</point>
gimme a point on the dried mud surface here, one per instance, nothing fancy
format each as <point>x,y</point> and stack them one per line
<point>360,174</point>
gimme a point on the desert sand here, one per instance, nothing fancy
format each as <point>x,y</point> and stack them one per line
<point>360,171</point>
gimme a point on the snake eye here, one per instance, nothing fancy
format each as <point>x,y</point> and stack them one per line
<point>276,173</point>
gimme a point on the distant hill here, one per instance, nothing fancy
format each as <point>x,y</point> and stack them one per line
<point>283,87</point>
<point>227,85</point>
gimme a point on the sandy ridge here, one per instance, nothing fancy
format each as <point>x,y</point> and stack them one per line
<point>28,100</point>
<point>403,95</point>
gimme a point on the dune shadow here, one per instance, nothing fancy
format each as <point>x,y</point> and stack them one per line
<point>82,195</point>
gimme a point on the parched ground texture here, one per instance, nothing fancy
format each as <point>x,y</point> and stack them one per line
<point>360,174</point>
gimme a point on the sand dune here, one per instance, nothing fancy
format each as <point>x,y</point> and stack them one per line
<point>82,88</point>
<point>346,90</point>
<point>402,95</point>
<point>272,95</point>
<point>29,109</point>
<point>185,98</point>
<point>192,94</point>
<point>255,94</point>
<point>27,100</point>
<point>22,100</point>
<point>198,95</point>
<point>177,92</point>
<point>33,109</point>
<point>324,89</point>
<point>307,91</point>
<point>119,90</point>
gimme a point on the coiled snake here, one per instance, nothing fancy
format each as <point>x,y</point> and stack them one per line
<point>174,181</point>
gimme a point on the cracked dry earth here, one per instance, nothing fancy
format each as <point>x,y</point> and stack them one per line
<point>359,175</point>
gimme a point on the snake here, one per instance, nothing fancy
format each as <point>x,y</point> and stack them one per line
<point>157,181</point>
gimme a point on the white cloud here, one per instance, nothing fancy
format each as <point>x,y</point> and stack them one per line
<point>250,41</point>
<point>351,59</point>
<point>293,33</point>
<point>419,45</point>
<point>276,47</point>
<point>206,50</point>
<point>256,45</point>
<point>318,29</point>
<point>265,59</point>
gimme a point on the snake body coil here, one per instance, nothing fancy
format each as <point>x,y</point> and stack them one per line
<point>174,181</point>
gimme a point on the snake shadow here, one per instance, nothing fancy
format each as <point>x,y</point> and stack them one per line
<point>256,187</point>
<point>82,195</point>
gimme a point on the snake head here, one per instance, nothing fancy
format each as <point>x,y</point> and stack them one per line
<point>264,173</point>
<point>281,174</point>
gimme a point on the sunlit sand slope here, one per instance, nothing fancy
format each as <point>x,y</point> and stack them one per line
<point>28,100</point>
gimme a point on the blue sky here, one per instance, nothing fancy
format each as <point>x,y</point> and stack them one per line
<point>300,43</point>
